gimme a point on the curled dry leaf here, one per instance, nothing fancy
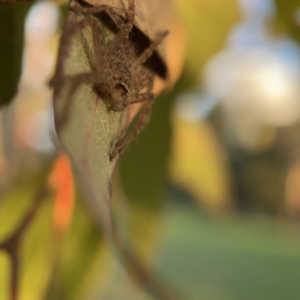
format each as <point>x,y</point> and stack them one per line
<point>87,126</point>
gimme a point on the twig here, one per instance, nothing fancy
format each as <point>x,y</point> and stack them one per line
<point>11,244</point>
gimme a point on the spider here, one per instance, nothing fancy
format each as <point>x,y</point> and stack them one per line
<point>119,76</point>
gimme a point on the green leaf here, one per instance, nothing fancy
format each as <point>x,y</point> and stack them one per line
<point>11,49</point>
<point>287,16</point>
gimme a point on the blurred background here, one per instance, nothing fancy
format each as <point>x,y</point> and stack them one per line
<point>212,185</point>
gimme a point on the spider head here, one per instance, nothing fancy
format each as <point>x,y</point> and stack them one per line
<point>119,97</point>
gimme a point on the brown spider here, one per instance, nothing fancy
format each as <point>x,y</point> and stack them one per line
<point>119,77</point>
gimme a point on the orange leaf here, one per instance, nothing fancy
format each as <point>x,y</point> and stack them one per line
<point>61,180</point>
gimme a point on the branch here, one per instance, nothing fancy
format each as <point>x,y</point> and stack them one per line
<point>11,244</point>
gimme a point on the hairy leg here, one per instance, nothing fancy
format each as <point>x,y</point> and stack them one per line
<point>145,79</point>
<point>76,82</point>
<point>72,27</point>
<point>121,42</point>
<point>130,16</point>
<point>143,119</point>
<point>143,98</point>
<point>149,51</point>
<point>96,76</point>
<point>112,12</point>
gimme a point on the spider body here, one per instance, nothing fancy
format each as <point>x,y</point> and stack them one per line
<point>116,91</point>
<point>119,76</point>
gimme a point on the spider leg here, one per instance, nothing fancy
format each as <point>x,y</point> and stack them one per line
<point>124,31</point>
<point>96,76</point>
<point>71,28</point>
<point>143,98</point>
<point>148,99</point>
<point>111,12</point>
<point>76,82</point>
<point>145,80</point>
<point>130,16</point>
<point>149,51</point>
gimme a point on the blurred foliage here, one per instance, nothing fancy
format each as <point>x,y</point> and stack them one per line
<point>207,25</point>
<point>199,164</point>
<point>261,182</point>
<point>232,258</point>
<point>11,48</point>
<point>288,16</point>
<point>35,249</point>
<point>79,252</point>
